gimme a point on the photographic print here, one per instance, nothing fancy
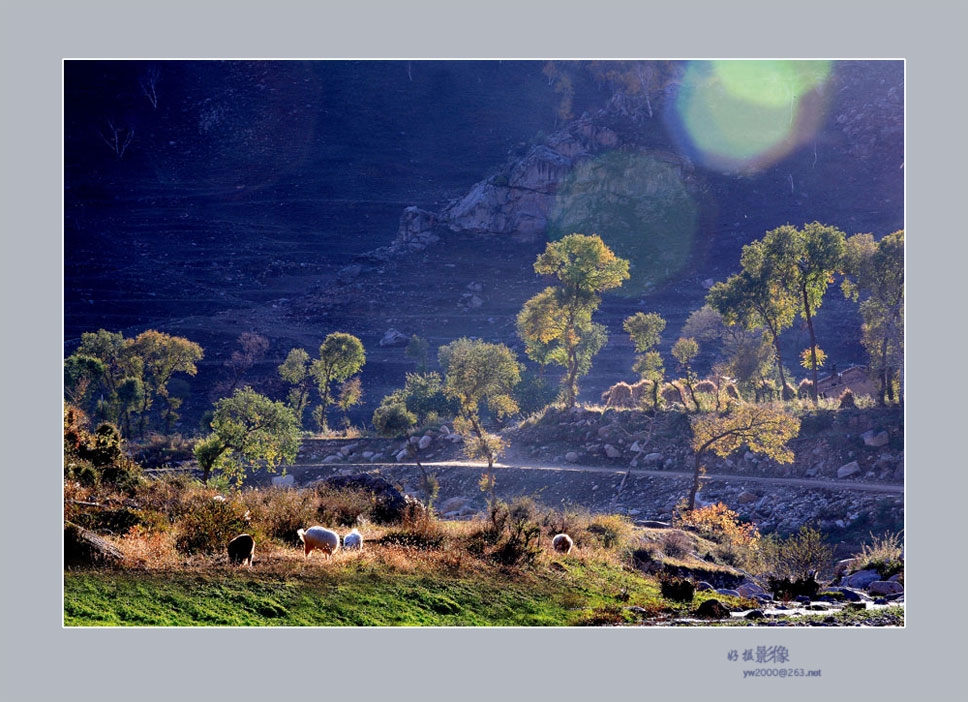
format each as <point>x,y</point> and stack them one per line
<point>489,343</point>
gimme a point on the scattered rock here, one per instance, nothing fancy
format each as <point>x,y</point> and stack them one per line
<point>652,457</point>
<point>754,614</point>
<point>744,498</point>
<point>845,471</point>
<point>571,457</point>
<point>875,439</point>
<point>393,338</point>
<point>424,442</point>
<point>453,504</point>
<point>611,451</point>
<point>283,481</point>
<point>702,586</point>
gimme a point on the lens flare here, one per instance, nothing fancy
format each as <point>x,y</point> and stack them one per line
<point>747,115</point>
<point>641,206</point>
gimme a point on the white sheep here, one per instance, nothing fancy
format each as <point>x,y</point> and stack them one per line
<point>562,543</point>
<point>353,541</point>
<point>319,537</point>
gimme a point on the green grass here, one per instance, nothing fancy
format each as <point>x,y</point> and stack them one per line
<point>576,592</point>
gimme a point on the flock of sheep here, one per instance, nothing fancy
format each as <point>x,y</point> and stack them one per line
<point>242,548</point>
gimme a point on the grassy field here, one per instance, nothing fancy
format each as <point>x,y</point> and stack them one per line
<point>386,587</point>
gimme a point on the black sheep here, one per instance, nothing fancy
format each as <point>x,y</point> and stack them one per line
<point>242,549</point>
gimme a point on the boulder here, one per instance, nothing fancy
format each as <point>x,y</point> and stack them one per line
<point>847,470</point>
<point>885,587</point>
<point>754,614</point>
<point>453,504</point>
<point>842,566</point>
<point>393,338</point>
<point>611,451</point>
<point>712,609</point>
<point>424,442</point>
<point>348,449</point>
<point>571,457</point>
<point>702,586</point>
<point>744,498</point>
<point>652,457</point>
<point>872,438</point>
<point>283,481</point>
<point>332,458</point>
<point>862,578</point>
<point>749,590</point>
<point>727,591</point>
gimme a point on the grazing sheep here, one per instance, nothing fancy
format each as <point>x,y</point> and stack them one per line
<point>562,543</point>
<point>353,541</point>
<point>319,537</point>
<point>241,550</point>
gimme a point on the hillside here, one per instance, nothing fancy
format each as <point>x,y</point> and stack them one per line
<point>260,197</point>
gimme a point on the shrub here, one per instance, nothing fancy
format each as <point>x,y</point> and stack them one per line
<point>720,524</point>
<point>675,544</point>
<point>612,531</point>
<point>418,529</point>
<point>281,513</point>
<point>513,528</point>
<point>740,540</point>
<point>677,589</point>
<point>787,588</point>
<point>884,554</point>
<point>208,525</point>
<point>565,521</point>
<point>96,457</point>
<point>847,399</point>
<point>344,506</point>
<point>798,556</point>
<point>609,615</point>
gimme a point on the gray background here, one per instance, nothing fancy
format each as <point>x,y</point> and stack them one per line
<point>40,659</point>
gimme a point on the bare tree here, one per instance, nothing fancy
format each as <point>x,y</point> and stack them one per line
<point>117,138</point>
<point>148,82</point>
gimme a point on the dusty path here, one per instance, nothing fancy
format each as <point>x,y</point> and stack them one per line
<point>891,488</point>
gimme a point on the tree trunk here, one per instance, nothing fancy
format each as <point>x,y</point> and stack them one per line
<point>885,376</point>
<point>779,364</point>
<point>695,482</point>
<point>813,347</point>
<point>572,394</point>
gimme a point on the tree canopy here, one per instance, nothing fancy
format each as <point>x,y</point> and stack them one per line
<point>249,432</point>
<point>556,324</point>
<point>480,373</point>
<point>762,428</point>
<point>875,271</point>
